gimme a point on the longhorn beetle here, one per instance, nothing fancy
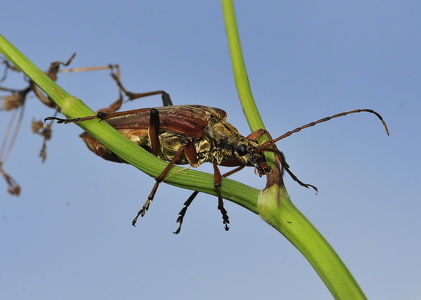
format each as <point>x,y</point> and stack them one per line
<point>191,134</point>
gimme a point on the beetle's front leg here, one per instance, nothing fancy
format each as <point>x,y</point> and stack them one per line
<point>264,147</point>
<point>153,132</point>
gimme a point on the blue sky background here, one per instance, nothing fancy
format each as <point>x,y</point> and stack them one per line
<point>69,235</point>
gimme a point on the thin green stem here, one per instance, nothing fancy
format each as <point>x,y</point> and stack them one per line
<point>275,206</point>
<point>284,216</point>
<point>72,107</point>
<point>240,74</point>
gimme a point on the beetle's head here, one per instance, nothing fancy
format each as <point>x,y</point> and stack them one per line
<point>249,153</point>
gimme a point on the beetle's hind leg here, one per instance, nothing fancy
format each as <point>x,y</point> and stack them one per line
<point>217,185</point>
<point>166,99</point>
<point>183,211</point>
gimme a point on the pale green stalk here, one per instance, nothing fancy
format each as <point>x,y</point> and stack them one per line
<point>275,206</point>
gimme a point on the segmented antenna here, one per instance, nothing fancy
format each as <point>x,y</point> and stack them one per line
<point>342,114</point>
<point>265,146</point>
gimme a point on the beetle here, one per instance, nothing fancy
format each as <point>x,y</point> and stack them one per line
<point>192,134</point>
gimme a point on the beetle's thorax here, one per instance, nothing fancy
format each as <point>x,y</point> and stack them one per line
<point>224,145</point>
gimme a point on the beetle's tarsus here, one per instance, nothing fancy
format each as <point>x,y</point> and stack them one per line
<point>145,207</point>
<point>183,211</point>
<point>178,229</point>
<point>142,212</point>
<point>224,213</point>
<point>135,221</point>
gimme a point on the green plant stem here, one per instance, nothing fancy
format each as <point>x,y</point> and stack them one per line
<point>275,206</point>
<point>72,107</point>
<point>240,74</point>
<point>285,217</point>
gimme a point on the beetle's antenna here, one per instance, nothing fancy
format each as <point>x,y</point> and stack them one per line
<point>265,146</point>
<point>270,143</point>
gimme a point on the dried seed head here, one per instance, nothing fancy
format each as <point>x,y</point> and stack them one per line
<point>13,186</point>
<point>12,102</point>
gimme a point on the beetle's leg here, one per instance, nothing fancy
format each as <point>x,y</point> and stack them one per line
<point>186,148</point>
<point>183,211</point>
<point>217,178</point>
<point>158,180</point>
<point>255,135</point>
<point>166,99</point>
<point>116,105</point>
<point>285,167</point>
<point>264,147</point>
<point>153,132</point>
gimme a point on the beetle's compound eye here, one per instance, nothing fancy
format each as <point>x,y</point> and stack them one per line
<point>241,150</point>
